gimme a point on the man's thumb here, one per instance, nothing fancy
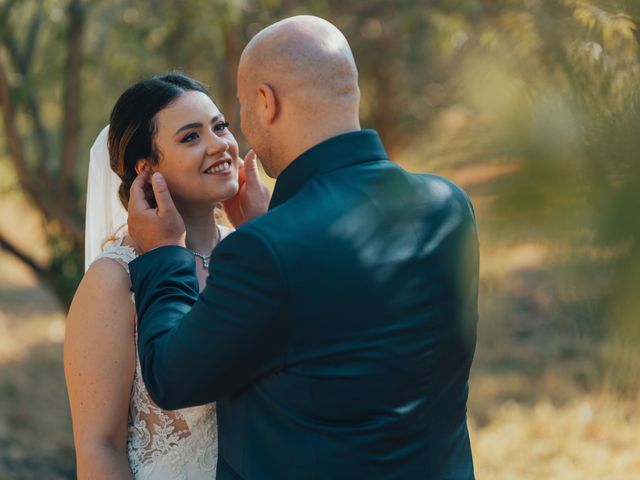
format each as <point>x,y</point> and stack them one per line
<point>161,193</point>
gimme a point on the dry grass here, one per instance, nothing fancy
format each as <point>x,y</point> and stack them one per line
<point>593,437</point>
<point>550,397</point>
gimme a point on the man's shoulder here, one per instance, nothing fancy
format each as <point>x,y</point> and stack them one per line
<point>256,234</point>
<point>307,206</point>
<point>433,180</point>
<point>441,188</point>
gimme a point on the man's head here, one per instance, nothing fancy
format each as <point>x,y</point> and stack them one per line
<point>297,86</point>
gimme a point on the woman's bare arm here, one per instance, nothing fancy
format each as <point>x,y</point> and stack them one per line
<point>99,364</point>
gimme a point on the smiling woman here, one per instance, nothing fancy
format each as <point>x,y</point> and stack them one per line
<point>167,124</point>
<point>197,154</point>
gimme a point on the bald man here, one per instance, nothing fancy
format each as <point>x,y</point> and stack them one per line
<point>336,330</point>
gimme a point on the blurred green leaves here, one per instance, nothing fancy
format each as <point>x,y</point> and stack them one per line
<point>554,88</point>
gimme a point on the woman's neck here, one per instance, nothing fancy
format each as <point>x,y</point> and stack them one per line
<point>202,232</point>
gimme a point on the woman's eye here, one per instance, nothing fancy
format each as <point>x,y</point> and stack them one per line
<point>189,137</point>
<point>220,127</point>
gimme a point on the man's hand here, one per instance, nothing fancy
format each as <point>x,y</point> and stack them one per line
<point>253,195</point>
<point>153,227</point>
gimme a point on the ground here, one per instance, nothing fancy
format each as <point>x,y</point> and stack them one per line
<point>550,398</point>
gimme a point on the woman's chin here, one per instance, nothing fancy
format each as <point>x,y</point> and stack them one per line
<point>225,193</point>
<point>228,191</point>
<point>209,198</point>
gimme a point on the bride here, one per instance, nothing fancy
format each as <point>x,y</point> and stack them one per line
<point>165,124</point>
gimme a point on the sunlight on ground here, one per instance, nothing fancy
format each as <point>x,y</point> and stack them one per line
<point>595,437</point>
<point>29,315</point>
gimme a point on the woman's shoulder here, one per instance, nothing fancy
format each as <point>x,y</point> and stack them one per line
<point>108,272</point>
<point>111,267</point>
<point>103,296</point>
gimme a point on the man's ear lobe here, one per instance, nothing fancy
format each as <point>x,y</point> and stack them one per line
<point>269,103</point>
<point>142,165</point>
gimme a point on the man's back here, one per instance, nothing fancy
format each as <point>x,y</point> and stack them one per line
<point>338,329</point>
<point>381,273</point>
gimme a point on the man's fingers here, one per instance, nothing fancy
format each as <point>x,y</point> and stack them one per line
<point>251,168</point>
<point>137,199</point>
<point>241,174</point>
<point>161,194</point>
<point>250,156</point>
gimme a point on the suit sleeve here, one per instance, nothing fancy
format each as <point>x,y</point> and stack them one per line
<point>196,349</point>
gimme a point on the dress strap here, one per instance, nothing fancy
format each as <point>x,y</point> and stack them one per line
<point>123,254</point>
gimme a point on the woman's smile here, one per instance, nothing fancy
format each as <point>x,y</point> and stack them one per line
<point>221,167</point>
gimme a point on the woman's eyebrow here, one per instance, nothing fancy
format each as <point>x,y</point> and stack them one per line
<point>215,118</point>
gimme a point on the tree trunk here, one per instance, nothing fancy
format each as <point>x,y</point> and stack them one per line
<point>72,96</point>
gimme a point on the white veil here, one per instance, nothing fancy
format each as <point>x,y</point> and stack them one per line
<point>105,215</point>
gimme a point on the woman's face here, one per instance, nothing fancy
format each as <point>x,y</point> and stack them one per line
<point>198,154</point>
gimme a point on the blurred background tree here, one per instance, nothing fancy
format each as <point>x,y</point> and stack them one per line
<point>63,64</point>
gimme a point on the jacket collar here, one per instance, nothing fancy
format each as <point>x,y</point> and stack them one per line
<point>337,152</point>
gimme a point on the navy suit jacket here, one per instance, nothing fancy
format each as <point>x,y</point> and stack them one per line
<point>336,331</point>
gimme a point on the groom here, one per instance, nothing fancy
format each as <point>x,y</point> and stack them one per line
<point>336,331</point>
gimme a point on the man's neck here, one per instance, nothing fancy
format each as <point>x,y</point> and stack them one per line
<point>307,138</point>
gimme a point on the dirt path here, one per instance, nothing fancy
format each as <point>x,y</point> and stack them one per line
<point>35,427</point>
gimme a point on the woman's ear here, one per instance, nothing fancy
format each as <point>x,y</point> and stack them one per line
<point>269,105</point>
<point>142,165</point>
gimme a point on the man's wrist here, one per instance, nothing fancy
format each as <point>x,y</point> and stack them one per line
<point>170,243</point>
<point>152,249</point>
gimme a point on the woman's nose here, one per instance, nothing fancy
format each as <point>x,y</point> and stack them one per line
<point>216,144</point>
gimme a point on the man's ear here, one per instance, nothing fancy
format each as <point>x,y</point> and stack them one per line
<point>268,103</point>
<point>142,165</point>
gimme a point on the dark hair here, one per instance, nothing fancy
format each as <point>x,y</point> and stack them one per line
<point>133,125</point>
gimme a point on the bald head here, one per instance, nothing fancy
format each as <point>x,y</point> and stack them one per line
<point>301,56</point>
<point>297,86</point>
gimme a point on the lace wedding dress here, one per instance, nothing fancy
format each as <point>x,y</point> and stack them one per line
<point>165,445</point>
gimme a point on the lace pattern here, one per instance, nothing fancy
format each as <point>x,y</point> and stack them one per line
<point>179,444</point>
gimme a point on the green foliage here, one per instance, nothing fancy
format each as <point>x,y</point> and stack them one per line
<point>65,268</point>
<point>555,87</point>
